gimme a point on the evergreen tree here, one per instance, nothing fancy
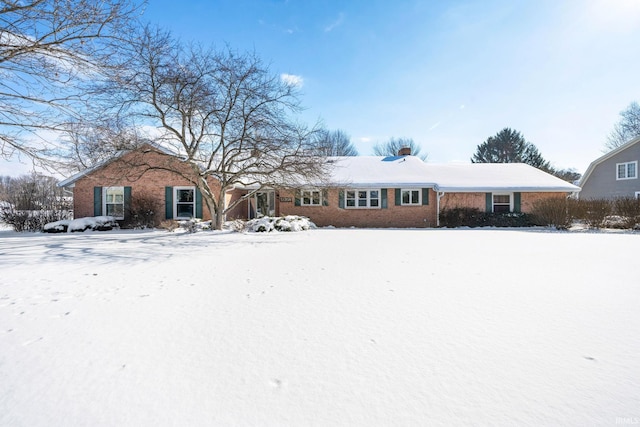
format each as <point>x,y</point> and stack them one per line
<point>509,146</point>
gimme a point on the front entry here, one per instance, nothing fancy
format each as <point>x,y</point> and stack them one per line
<point>262,204</point>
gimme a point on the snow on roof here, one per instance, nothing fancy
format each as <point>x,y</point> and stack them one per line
<point>410,171</point>
<point>376,171</point>
<point>476,177</point>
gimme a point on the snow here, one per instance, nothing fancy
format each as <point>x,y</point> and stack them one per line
<point>336,327</point>
<point>410,171</point>
<point>81,224</point>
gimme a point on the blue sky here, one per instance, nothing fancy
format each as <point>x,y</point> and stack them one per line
<point>448,74</point>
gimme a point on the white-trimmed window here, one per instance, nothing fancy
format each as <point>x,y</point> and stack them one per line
<point>410,197</point>
<point>628,170</point>
<point>113,202</point>
<point>310,198</point>
<point>502,202</point>
<point>637,194</point>
<point>184,202</point>
<point>362,199</point>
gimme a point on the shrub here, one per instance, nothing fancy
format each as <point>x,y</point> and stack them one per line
<point>31,220</point>
<point>593,212</point>
<point>142,212</point>
<point>628,208</point>
<point>473,217</point>
<point>553,212</point>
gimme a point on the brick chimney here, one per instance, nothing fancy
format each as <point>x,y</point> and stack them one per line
<point>404,151</point>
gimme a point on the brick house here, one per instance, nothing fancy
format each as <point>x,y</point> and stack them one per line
<point>363,191</point>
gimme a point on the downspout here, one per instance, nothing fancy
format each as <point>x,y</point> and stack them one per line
<point>439,194</point>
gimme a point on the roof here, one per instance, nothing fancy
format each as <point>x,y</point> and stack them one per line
<point>410,171</point>
<point>607,156</point>
<point>491,177</point>
<point>70,182</point>
<point>377,171</point>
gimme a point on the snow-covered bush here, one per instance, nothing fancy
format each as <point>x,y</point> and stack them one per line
<point>288,223</point>
<point>30,220</point>
<point>94,223</point>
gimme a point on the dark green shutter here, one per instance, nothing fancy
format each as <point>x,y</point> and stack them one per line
<point>425,196</point>
<point>398,197</point>
<point>341,199</point>
<point>325,197</point>
<point>489,200</point>
<point>297,198</point>
<point>97,201</point>
<point>127,201</point>
<point>198,203</point>
<point>517,202</point>
<point>383,194</point>
<point>168,202</point>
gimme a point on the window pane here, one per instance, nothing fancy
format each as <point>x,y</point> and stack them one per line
<point>501,198</point>
<point>316,198</point>
<point>351,202</point>
<point>374,194</point>
<point>631,170</point>
<point>306,200</point>
<point>185,210</point>
<point>119,198</point>
<point>415,197</point>
<point>405,197</point>
<point>185,196</point>
<point>362,203</point>
<point>351,194</point>
<point>115,210</point>
<point>374,203</point>
<point>621,171</point>
<point>362,194</point>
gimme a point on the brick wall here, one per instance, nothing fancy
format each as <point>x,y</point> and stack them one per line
<point>392,216</point>
<point>147,172</point>
<point>478,200</point>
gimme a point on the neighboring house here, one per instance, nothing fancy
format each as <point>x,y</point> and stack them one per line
<point>362,191</point>
<point>613,175</point>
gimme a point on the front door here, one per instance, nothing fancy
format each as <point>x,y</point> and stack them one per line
<point>265,204</point>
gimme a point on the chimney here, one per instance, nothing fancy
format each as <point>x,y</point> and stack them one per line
<point>404,151</point>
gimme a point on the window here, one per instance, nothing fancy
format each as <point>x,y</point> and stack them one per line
<point>184,202</point>
<point>311,197</point>
<point>638,195</point>
<point>627,170</point>
<point>410,197</point>
<point>113,202</point>
<point>501,203</point>
<point>362,199</point>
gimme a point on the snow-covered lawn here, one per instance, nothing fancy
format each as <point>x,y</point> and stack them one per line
<point>323,327</point>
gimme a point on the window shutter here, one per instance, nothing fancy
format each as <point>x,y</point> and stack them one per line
<point>341,199</point>
<point>325,197</point>
<point>168,202</point>
<point>425,196</point>
<point>97,201</point>
<point>517,202</point>
<point>383,196</point>
<point>198,203</point>
<point>489,200</point>
<point>297,198</point>
<point>398,197</point>
<point>127,201</point>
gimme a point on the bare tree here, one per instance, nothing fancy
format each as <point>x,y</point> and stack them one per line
<point>47,48</point>
<point>393,146</point>
<point>626,129</point>
<point>335,143</point>
<point>224,113</point>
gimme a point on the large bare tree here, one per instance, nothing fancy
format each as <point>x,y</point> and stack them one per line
<point>335,143</point>
<point>394,145</point>
<point>627,128</point>
<point>47,48</point>
<point>223,112</point>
